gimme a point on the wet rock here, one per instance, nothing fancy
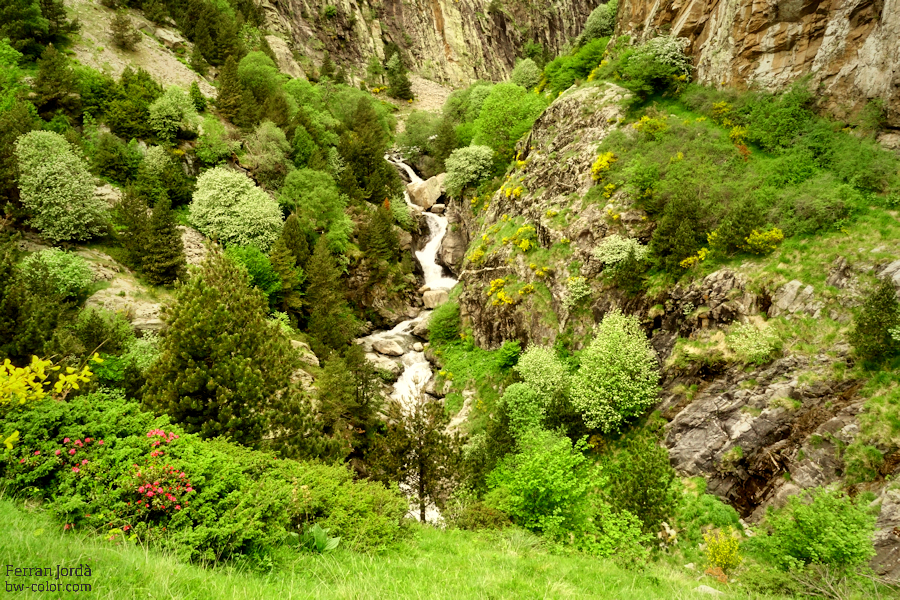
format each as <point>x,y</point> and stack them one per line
<point>435,298</point>
<point>438,209</point>
<point>388,348</point>
<point>426,193</point>
<point>383,363</point>
<point>421,329</point>
<point>418,347</point>
<point>453,249</point>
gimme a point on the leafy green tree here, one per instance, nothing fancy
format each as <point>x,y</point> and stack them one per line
<point>172,113</point>
<point>224,368</point>
<point>214,147</point>
<point>507,113</point>
<point>227,206</point>
<point>163,256</point>
<point>330,321</point>
<point>876,329</point>
<point>262,275</point>
<point>678,232</point>
<point>259,74</point>
<point>525,408</point>
<point>526,74</point>
<point>313,196</point>
<point>600,23</point>
<point>57,189</point>
<point>543,371</point>
<point>416,450</point>
<point>618,377</point>
<point>55,86</point>
<point>467,167</point>
<point>231,92</point>
<point>267,152</point>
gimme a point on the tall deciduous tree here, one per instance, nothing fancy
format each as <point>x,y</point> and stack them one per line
<point>417,450</point>
<point>224,368</point>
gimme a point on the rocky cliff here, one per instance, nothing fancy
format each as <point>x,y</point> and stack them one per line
<point>849,46</point>
<point>451,41</point>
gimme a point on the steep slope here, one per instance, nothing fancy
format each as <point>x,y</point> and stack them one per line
<point>850,46</point>
<point>451,41</point>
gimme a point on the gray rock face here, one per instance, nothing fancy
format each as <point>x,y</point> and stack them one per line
<point>435,298</point>
<point>194,244</point>
<point>453,250</point>
<point>284,57</point>
<point>305,352</point>
<point>438,209</point>
<point>794,297</point>
<point>387,347</point>
<point>887,536</point>
<point>426,193</point>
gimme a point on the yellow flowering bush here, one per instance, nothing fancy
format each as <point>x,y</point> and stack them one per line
<point>603,164</point>
<point>763,242</point>
<point>738,134</point>
<point>720,111</point>
<point>651,126</point>
<point>694,260</point>
<point>723,549</point>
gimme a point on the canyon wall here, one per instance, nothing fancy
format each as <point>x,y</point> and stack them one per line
<point>449,41</point>
<point>850,47</point>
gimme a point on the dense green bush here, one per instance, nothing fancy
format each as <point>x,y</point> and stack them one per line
<point>601,22</point>
<point>228,207</point>
<point>214,147</point>
<point>116,160</point>
<point>314,197</point>
<point>57,188</point>
<point>618,377</point>
<point>95,461</point>
<point>543,371</point>
<point>525,408</point>
<point>444,325</point>
<point>468,167</point>
<point>876,328</point>
<point>507,114</point>
<point>819,527</point>
<point>526,74</point>
<point>268,154</point>
<point>562,72</point>
<point>128,111</point>
<point>65,272</point>
<point>258,266</point>
<point>173,113</point>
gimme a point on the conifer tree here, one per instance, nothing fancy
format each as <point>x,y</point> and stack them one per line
<point>378,239</point>
<point>198,63</point>
<point>132,213</point>
<point>399,85</point>
<point>55,13</point>
<point>363,148</point>
<point>330,321</point>
<point>197,97</point>
<point>231,93</point>
<point>327,69</point>
<point>225,369</point>
<point>288,298</point>
<point>295,239</point>
<point>876,329</point>
<point>163,257</point>
<point>55,85</point>
<point>248,114</point>
<point>417,450</point>
<point>124,35</point>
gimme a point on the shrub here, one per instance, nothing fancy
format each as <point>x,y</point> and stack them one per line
<point>543,371</point>
<point>752,343</point>
<point>466,167</point>
<point>618,375</point>
<point>96,461</point>
<point>601,22</point>
<point>723,549</point>
<point>124,34</point>
<point>615,249</point>
<point>57,188</point>
<point>443,326</point>
<point>577,289</point>
<point>819,527</point>
<point>267,152</point>
<point>314,197</point>
<point>402,215</point>
<point>258,266</point>
<point>526,74</point>
<point>563,71</point>
<point>214,147</point>
<point>172,113</point>
<point>507,114</point>
<point>227,206</point>
<point>67,273</point>
<point>655,64</point>
<point>872,337</point>
<point>101,330</point>
<point>508,354</point>
<point>115,159</point>
<point>525,407</point>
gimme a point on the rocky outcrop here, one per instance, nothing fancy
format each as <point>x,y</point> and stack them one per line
<point>848,46</point>
<point>424,194</point>
<point>451,41</point>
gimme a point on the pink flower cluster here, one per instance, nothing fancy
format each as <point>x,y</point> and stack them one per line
<point>166,438</point>
<point>160,488</point>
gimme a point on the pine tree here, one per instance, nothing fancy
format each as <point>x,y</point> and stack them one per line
<point>198,63</point>
<point>288,298</point>
<point>876,329</point>
<point>225,369</point>
<point>156,11</point>
<point>399,85</point>
<point>248,115</point>
<point>163,257</point>
<point>124,35</point>
<point>231,93</point>
<point>295,239</point>
<point>55,13</point>
<point>363,148</point>
<point>417,450</point>
<point>378,239</point>
<point>197,97</point>
<point>132,213</point>
<point>327,69</point>
<point>55,86</point>
<point>330,321</point>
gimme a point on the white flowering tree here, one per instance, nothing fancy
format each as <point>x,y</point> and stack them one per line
<point>57,189</point>
<point>614,249</point>
<point>618,377</point>
<point>468,166</point>
<point>543,371</point>
<point>228,207</point>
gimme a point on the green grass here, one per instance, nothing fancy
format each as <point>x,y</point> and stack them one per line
<point>430,564</point>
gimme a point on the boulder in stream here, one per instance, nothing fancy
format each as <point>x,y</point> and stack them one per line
<point>435,298</point>
<point>387,347</point>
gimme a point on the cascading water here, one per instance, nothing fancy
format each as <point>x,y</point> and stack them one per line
<point>416,371</point>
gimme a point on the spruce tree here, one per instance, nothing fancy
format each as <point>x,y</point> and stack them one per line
<point>399,85</point>
<point>417,450</point>
<point>378,239</point>
<point>296,241</point>
<point>55,85</point>
<point>197,97</point>
<point>330,321</point>
<point>198,63</point>
<point>132,214</point>
<point>124,35</point>
<point>225,369</point>
<point>876,329</point>
<point>55,13</point>
<point>163,257</point>
<point>327,69</point>
<point>363,148</point>
<point>248,115</point>
<point>231,93</point>
<point>288,298</point>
